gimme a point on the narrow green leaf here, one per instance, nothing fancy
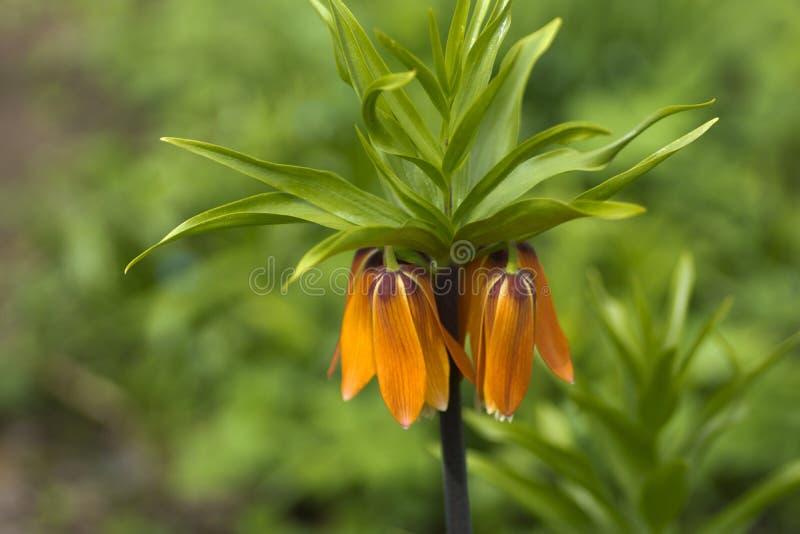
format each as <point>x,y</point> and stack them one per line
<point>263,209</point>
<point>736,388</point>
<point>321,188</point>
<point>614,321</point>
<point>646,326</point>
<point>529,217</point>
<point>387,139</point>
<point>466,131</point>
<point>632,443</point>
<point>455,38</point>
<point>741,512</point>
<point>664,494</point>
<point>709,326</point>
<point>428,169</point>
<point>481,58</point>
<point>410,235</point>
<point>438,53</point>
<point>660,396</point>
<point>341,65</point>
<point>500,132</point>
<point>680,292</point>
<point>615,184</point>
<point>561,133</point>
<point>567,463</point>
<point>556,162</point>
<point>479,13</point>
<point>417,205</point>
<point>366,65</point>
<point>426,77</point>
<point>546,501</point>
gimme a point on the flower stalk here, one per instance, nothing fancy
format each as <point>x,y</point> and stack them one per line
<point>451,427</point>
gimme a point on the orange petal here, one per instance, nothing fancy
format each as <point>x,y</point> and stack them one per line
<point>509,345</point>
<point>550,338</point>
<point>399,360</point>
<point>469,290</point>
<point>456,350</point>
<point>358,365</point>
<point>484,272</point>
<point>486,312</point>
<point>360,259</point>
<point>437,363</point>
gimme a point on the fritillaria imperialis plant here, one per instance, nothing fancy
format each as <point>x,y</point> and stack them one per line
<point>459,178</point>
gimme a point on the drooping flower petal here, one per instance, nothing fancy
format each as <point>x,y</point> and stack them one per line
<point>361,259</point>
<point>478,275</point>
<point>437,363</point>
<point>454,348</point>
<point>399,360</point>
<point>509,343</point>
<point>550,339</point>
<point>358,364</point>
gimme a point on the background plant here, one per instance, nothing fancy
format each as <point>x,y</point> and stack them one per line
<point>627,453</point>
<point>88,87</point>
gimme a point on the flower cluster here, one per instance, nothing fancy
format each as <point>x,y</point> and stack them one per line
<point>391,328</point>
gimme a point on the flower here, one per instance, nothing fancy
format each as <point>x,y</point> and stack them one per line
<point>506,311</point>
<point>391,329</point>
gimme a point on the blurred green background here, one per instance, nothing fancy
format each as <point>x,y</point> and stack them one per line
<point>174,399</point>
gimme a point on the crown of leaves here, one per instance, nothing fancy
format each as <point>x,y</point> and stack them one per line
<point>471,181</point>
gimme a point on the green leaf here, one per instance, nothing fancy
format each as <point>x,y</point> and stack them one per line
<point>613,185</point>
<point>321,188</point>
<point>614,321</point>
<point>546,501</point>
<point>341,65</point>
<point>499,133</point>
<point>556,162</point>
<point>455,38</point>
<point>529,217</point>
<point>263,209</point>
<point>410,235</point>
<point>467,130</point>
<point>417,205</point>
<point>561,133</point>
<point>736,388</point>
<point>479,13</point>
<point>366,65</point>
<point>438,54</point>
<point>426,77</point>
<point>567,463</point>
<point>631,441</point>
<point>709,326</point>
<point>660,396</point>
<point>428,170</point>
<point>741,512</point>
<point>481,58</point>
<point>387,139</point>
<point>664,494</point>
<point>680,294</point>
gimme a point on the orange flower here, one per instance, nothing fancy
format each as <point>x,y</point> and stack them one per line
<point>506,314</point>
<point>391,328</point>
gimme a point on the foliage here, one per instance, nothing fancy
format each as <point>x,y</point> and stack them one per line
<point>470,178</point>
<point>647,435</point>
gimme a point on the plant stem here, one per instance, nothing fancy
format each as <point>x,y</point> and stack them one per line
<point>454,464</point>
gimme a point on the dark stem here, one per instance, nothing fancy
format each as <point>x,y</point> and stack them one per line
<point>454,462</point>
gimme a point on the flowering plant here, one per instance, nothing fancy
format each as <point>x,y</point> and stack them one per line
<point>461,176</point>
